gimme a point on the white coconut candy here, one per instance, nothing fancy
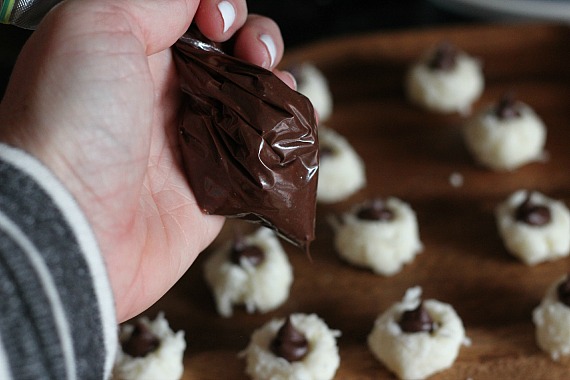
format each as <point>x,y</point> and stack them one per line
<point>384,245</point>
<point>164,362</point>
<point>319,363</point>
<point>445,80</point>
<point>504,139</point>
<point>341,170</point>
<point>552,321</point>
<point>312,83</point>
<point>534,227</point>
<point>417,355</point>
<point>262,287</point>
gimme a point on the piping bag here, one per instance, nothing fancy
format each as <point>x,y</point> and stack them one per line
<point>248,142</point>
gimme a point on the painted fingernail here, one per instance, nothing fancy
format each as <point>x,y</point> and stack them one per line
<point>228,14</point>
<point>293,79</point>
<point>270,46</point>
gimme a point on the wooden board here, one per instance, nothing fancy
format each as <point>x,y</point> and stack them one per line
<point>411,153</point>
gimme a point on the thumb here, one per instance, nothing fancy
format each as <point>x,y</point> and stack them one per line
<point>157,24</point>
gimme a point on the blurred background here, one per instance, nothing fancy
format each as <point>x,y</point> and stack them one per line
<point>306,21</point>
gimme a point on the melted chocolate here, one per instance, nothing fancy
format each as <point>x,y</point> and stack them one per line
<point>375,210</point>
<point>289,343</point>
<point>141,342</point>
<point>444,57</point>
<point>532,214</point>
<point>507,107</point>
<point>563,291</point>
<point>248,142</point>
<point>417,320</point>
<point>241,250</point>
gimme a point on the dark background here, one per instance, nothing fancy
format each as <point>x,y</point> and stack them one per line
<point>301,22</point>
<point>304,21</point>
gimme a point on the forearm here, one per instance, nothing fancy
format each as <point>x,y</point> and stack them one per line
<point>58,318</point>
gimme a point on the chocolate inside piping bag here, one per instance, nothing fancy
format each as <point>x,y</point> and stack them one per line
<point>248,142</point>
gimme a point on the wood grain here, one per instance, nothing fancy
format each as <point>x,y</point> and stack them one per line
<point>410,153</point>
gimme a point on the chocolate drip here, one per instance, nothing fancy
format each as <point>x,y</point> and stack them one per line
<point>141,342</point>
<point>563,291</point>
<point>417,320</point>
<point>532,214</point>
<point>375,210</point>
<point>241,250</point>
<point>507,107</point>
<point>444,58</point>
<point>289,343</point>
<point>248,142</point>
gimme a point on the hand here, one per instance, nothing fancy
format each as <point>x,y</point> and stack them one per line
<point>95,96</point>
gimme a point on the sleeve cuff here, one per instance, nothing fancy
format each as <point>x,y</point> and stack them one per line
<point>56,251</point>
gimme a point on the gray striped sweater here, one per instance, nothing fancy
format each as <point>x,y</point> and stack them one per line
<point>57,318</point>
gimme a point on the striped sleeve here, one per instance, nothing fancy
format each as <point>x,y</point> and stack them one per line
<point>57,318</point>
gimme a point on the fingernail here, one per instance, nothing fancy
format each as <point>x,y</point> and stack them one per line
<point>293,79</point>
<point>228,14</point>
<point>270,46</point>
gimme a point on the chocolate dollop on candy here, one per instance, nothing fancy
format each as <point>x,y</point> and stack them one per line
<point>141,342</point>
<point>563,291</point>
<point>416,320</point>
<point>241,250</point>
<point>444,57</point>
<point>289,343</point>
<point>375,210</point>
<point>248,142</point>
<point>531,213</point>
<point>507,107</point>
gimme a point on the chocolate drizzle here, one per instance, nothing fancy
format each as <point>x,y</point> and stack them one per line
<point>248,142</point>
<point>141,342</point>
<point>444,57</point>
<point>375,210</point>
<point>507,107</point>
<point>417,320</point>
<point>289,343</point>
<point>241,250</point>
<point>531,213</point>
<point>563,291</point>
